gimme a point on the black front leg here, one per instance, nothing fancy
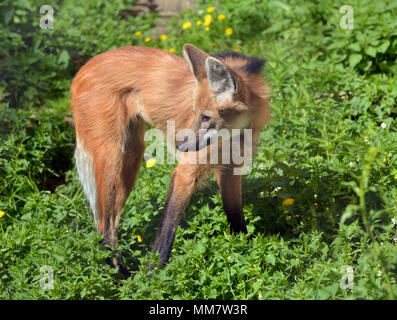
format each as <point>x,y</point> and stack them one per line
<point>182,185</point>
<point>230,187</point>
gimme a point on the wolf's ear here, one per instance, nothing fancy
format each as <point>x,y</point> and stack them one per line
<point>196,60</point>
<point>220,79</point>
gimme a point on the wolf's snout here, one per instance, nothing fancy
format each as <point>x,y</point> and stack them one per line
<point>199,142</point>
<point>182,146</point>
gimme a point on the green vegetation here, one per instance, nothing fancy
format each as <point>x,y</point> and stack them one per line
<point>322,194</point>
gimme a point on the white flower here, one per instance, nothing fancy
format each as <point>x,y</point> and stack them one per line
<point>366,140</point>
<point>351,164</point>
<point>383,125</point>
<point>277,189</point>
<point>393,221</point>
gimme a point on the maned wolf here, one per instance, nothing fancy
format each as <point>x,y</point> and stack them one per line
<point>117,92</point>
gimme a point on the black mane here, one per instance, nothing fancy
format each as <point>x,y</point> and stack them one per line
<point>253,66</point>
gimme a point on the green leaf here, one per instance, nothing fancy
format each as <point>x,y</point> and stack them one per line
<point>270,258</point>
<point>7,15</point>
<point>63,58</point>
<point>355,59</point>
<point>355,47</point>
<point>371,51</point>
<point>257,285</point>
<point>384,46</point>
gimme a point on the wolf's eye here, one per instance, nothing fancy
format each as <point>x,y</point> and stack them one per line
<point>205,118</point>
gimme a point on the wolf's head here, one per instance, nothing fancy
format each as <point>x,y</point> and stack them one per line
<point>222,98</point>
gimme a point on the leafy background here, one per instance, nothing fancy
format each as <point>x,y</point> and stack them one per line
<point>330,147</point>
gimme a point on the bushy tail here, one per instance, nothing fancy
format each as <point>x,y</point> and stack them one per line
<point>86,173</point>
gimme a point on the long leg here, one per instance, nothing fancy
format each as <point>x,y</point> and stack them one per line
<point>183,182</point>
<point>230,187</point>
<point>116,170</point>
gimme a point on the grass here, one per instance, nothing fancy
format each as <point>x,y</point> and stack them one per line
<point>330,147</point>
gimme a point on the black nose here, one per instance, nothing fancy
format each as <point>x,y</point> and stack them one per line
<point>181,146</point>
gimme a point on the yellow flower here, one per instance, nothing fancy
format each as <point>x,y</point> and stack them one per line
<point>2,213</point>
<point>172,50</point>
<point>284,131</point>
<point>288,202</point>
<point>221,17</point>
<point>237,48</point>
<point>187,25</point>
<point>213,45</point>
<point>198,22</point>
<point>163,37</point>
<point>151,163</point>
<point>148,39</point>
<point>139,238</point>
<point>207,29</point>
<point>210,9</point>
<point>138,33</point>
<point>207,20</point>
<point>229,31</point>
<point>384,160</point>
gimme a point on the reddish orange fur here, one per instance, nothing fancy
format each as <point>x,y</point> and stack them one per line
<point>113,95</point>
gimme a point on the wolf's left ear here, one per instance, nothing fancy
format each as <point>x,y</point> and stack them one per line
<point>220,79</point>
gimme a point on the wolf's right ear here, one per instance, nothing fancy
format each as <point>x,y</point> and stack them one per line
<point>196,60</point>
